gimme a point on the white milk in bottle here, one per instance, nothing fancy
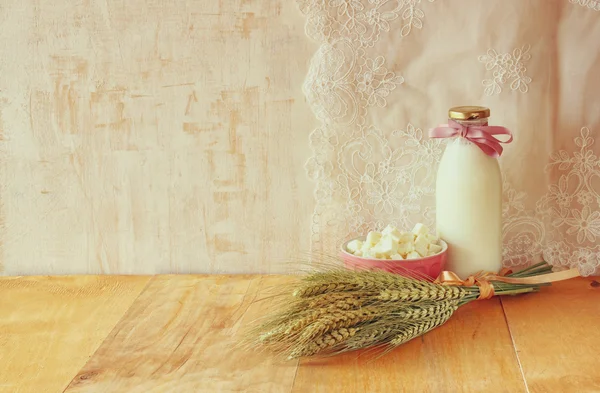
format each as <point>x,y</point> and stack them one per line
<point>469,191</point>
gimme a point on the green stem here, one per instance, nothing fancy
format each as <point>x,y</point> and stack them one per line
<point>537,272</point>
<point>538,268</point>
<point>507,290</point>
<point>517,291</point>
<point>503,289</point>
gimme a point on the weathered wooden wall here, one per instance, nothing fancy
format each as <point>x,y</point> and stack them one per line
<point>153,136</point>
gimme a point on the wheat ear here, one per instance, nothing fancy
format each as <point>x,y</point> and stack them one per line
<point>396,321</point>
<point>323,342</point>
<point>422,327</point>
<point>435,292</point>
<point>340,319</point>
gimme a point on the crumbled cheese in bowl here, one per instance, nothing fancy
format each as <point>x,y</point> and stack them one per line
<point>396,245</point>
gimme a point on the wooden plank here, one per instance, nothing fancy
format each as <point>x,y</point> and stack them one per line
<point>473,352</point>
<point>179,336</point>
<point>50,326</point>
<point>556,336</point>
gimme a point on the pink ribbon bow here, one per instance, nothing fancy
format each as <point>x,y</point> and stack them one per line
<point>482,136</point>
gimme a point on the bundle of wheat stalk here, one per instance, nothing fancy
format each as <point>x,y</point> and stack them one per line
<point>339,310</point>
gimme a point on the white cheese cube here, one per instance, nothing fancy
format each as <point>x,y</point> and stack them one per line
<point>405,248</point>
<point>394,233</point>
<point>354,245</point>
<point>386,246</point>
<point>373,237</point>
<point>406,237</point>
<point>369,253</point>
<point>433,239</point>
<point>434,249</point>
<point>420,229</point>
<point>421,244</point>
<point>396,256</point>
<point>413,255</point>
<point>389,229</point>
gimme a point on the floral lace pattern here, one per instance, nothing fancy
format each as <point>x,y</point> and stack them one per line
<point>374,82</point>
<point>591,4</point>
<point>573,206</point>
<point>360,21</point>
<point>523,231</point>
<point>564,228</point>
<point>506,67</point>
<point>412,16</point>
<point>364,175</point>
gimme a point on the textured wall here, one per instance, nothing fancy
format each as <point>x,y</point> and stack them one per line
<point>146,136</point>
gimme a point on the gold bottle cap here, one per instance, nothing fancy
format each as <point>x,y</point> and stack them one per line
<point>468,112</point>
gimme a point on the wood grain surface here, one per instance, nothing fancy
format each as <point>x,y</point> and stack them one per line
<point>153,136</point>
<point>180,337</point>
<point>556,336</point>
<point>50,326</point>
<point>182,334</point>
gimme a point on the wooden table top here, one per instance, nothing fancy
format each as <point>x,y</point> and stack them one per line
<point>176,333</point>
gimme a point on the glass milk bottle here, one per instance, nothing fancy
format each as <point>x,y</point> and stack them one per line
<point>469,191</point>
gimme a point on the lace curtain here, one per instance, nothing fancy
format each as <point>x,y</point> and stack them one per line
<point>386,71</point>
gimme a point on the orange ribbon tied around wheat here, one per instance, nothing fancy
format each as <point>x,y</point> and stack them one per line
<point>484,280</point>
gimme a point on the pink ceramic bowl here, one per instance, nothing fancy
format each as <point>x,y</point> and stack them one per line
<point>429,266</point>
